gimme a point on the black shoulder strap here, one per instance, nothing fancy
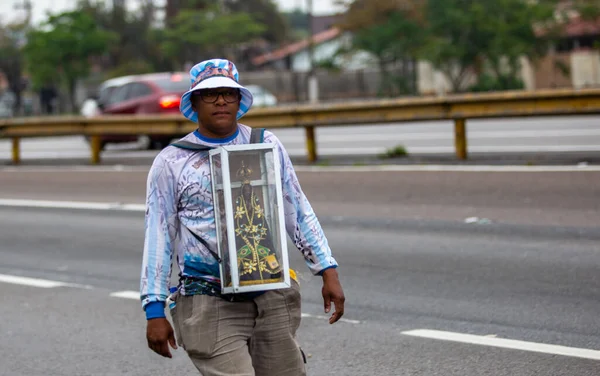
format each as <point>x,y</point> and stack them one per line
<point>257,135</point>
<point>190,146</point>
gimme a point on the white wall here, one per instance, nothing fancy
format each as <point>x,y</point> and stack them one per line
<point>327,50</point>
<point>585,68</point>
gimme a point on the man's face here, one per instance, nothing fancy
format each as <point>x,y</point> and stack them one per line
<point>217,110</point>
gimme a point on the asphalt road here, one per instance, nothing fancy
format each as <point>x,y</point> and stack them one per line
<point>408,262</point>
<point>517,285</point>
<point>532,136</point>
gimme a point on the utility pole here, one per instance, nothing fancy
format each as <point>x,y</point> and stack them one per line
<point>313,84</point>
<point>27,6</point>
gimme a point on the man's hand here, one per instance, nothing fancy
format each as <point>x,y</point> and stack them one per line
<point>159,334</point>
<point>332,292</point>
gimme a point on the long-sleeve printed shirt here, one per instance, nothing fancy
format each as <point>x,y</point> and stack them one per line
<point>179,202</point>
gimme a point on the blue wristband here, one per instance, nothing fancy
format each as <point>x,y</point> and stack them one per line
<point>155,310</point>
<point>329,267</point>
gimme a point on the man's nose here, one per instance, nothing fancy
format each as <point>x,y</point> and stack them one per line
<point>221,99</point>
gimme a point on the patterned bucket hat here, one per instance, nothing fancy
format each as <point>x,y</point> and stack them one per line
<point>212,74</point>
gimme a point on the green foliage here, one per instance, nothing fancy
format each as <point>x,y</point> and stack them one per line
<point>467,33</point>
<point>395,152</point>
<point>201,34</point>
<point>264,12</point>
<point>136,39</point>
<point>11,58</point>
<point>488,82</point>
<point>395,39</point>
<point>297,19</point>
<point>461,38</point>
<point>64,48</point>
<point>589,9</point>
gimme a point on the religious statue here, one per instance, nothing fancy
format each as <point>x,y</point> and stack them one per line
<point>257,260</point>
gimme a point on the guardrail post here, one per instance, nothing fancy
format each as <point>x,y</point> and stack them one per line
<point>460,138</point>
<point>311,144</point>
<point>16,150</point>
<point>95,146</point>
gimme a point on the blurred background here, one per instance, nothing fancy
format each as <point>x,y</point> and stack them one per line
<point>452,266</point>
<point>55,56</point>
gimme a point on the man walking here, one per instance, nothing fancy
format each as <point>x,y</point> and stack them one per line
<point>253,333</point>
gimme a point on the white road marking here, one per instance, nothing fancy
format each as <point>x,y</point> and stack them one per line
<point>505,343</point>
<point>302,168</point>
<point>353,151</point>
<point>37,282</point>
<point>135,295</point>
<point>300,151</point>
<point>447,168</point>
<point>308,315</point>
<point>71,205</point>
<point>472,134</point>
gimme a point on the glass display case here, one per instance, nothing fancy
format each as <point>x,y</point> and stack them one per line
<point>249,219</point>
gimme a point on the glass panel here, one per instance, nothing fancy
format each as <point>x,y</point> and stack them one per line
<point>220,217</point>
<point>257,238</point>
<point>173,84</point>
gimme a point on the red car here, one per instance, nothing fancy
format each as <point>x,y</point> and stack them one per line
<point>156,93</point>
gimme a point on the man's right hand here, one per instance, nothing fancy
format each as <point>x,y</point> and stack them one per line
<point>159,334</point>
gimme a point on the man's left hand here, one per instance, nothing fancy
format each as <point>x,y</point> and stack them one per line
<point>332,292</point>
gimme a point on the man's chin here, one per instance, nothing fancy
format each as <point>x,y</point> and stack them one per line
<point>223,127</point>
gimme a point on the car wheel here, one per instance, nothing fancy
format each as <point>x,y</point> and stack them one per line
<point>159,144</point>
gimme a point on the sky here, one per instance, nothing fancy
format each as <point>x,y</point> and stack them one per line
<point>40,7</point>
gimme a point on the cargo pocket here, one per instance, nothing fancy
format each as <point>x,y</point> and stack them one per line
<point>199,325</point>
<point>293,301</point>
<point>175,318</point>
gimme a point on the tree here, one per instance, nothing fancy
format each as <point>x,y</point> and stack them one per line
<point>276,28</point>
<point>466,35</point>
<point>63,48</point>
<point>202,34</point>
<point>391,31</point>
<point>136,51</point>
<point>298,22</point>
<point>11,59</point>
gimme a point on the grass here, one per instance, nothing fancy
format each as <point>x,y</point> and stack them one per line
<point>395,152</point>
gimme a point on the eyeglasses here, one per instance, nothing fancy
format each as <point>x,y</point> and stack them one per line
<point>210,96</point>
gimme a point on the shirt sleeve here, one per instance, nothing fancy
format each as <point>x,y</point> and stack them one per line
<point>301,223</point>
<point>160,232</point>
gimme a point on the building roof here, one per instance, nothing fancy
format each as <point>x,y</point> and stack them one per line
<point>579,27</point>
<point>293,48</point>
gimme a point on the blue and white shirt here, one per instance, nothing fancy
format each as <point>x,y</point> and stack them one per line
<point>179,201</point>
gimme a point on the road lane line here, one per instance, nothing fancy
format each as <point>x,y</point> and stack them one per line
<point>308,315</point>
<point>448,168</point>
<point>366,168</point>
<point>37,282</point>
<point>505,343</point>
<point>472,135</point>
<point>135,295</point>
<point>71,205</point>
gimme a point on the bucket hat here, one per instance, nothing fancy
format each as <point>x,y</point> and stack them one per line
<point>210,74</point>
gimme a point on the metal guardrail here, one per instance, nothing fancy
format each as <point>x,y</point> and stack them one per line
<point>458,108</point>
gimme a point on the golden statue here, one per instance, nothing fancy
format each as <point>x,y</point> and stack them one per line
<point>257,261</point>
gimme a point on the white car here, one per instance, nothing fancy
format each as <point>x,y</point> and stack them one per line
<point>262,97</point>
<point>6,106</point>
<point>91,106</point>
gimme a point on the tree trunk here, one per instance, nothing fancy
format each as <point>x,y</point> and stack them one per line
<point>71,89</point>
<point>384,85</point>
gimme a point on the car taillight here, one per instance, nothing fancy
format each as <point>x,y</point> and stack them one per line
<point>169,101</point>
